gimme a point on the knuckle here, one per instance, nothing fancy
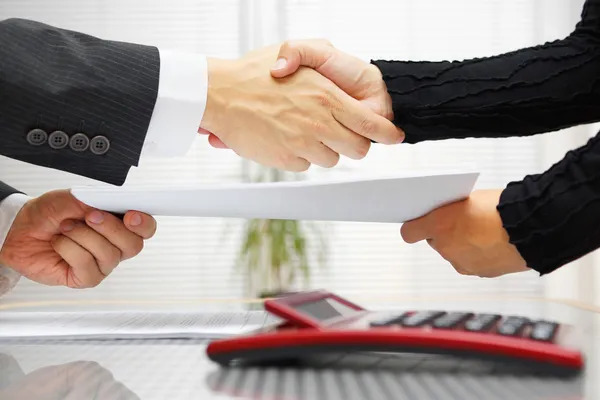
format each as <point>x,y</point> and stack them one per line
<point>132,250</point>
<point>136,247</point>
<point>287,45</point>
<point>284,159</point>
<point>332,161</point>
<point>325,42</point>
<point>319,128</point>
<point>362,149</point>
<point>367,126</point>
<point>302,141</point>
<point>113,257</point>
<point>302,167</point>
<point>324,99</point>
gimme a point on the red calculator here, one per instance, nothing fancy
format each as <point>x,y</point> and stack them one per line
<point>319,323</point>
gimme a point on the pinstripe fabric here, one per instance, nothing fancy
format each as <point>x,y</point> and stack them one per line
<point>58,79</point>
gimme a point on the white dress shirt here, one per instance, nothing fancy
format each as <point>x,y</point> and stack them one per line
<point>179,108</point>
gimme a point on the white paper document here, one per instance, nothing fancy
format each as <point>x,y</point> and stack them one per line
<point>130,325</point>
<point>392,199</point>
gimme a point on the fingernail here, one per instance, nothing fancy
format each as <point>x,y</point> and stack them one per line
<point>136,220</point>
<point>401,137</point>
<point>67,226</point>
<point>96,217</point>
<point>280,63</point>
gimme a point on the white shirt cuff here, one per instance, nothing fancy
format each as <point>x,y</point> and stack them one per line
<point>180,105</point>
<point>9,208</point>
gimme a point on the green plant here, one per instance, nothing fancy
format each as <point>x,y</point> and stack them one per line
<point>275,253</point>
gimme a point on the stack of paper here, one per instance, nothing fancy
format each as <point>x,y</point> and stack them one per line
<point>130,325</point>
<point>395,199</point>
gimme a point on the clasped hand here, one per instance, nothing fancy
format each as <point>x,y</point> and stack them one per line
<point>468,234</point>
<point>291,122</point>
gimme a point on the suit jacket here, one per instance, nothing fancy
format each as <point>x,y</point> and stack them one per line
<point>73,102</point>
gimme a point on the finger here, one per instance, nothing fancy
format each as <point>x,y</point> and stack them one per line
<point>82,269</point>
<point>114,230</point>
<point>348,143</point>
<point>417,230</point>
<point>107,255</point>
<point>59,205</point>
<point>293,164</point>
<point>215,142</point>
<point>309,53</point>
<point>141,224</point>
<point>362,120</point>
<point>321,155</point>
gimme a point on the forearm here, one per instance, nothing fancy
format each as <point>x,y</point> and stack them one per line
<point>533,90</point>
<point>140,99</point>
<point>11,202</point>
<point>554,218</point>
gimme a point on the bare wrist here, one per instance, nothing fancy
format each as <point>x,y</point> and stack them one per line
<point>220,76</point>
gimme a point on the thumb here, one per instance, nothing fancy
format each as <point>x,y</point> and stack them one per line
<point>345,71</point>
<point>418,229</point>
<point>308,53</point>
<point>60,205</point>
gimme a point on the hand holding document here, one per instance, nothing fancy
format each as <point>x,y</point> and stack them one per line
<point>392,200</point>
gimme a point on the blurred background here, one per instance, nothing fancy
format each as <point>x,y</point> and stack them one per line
<point>218,258</point>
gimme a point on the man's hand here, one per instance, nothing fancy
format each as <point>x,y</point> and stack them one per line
<point>57,240</point>
<point>469,234</point>
<point>288,123</point>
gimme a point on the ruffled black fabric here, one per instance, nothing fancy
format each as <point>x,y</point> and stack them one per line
<point>552,218</point>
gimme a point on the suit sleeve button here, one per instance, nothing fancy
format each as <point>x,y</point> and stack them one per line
<point>58,140</point>
<point>37,137</point>
<point>79,142</point>
<point>99,145</point>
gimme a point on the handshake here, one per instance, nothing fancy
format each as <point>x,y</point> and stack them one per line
<point>298,104</point>
<point>285,107</point>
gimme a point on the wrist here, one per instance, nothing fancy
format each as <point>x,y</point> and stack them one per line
<point>382,95</point>
<point>221,74</point>
<point>10,209</point>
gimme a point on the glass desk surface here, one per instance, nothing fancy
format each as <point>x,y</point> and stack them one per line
<point>179,369</point>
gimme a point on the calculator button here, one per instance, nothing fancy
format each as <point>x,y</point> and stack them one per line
<point>543,331</point>
<point>512,326</point>
<point>396,320</point>
<point>421,318</point>
<point>450,320</point>
<point>481,322</point>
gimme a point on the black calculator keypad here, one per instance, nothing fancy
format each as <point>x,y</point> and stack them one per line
<point>421,318</point>
<point>481,322</point>
<point>396,320</point>
<point>543,331</point>
<point>495,324</point>
<point>450,320</point>
<point>512,326</point>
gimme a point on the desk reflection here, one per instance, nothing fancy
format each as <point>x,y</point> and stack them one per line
<point>394,376</point>
<point>80,380</point>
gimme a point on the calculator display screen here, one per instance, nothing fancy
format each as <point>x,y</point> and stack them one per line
<point>324,309</point>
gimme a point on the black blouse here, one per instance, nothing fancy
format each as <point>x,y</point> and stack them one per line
<point>554,217</point>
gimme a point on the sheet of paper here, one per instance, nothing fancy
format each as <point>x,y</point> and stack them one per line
<point>130,325</point>
<point>390,199</point>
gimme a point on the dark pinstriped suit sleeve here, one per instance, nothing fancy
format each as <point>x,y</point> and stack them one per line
<point>56,79</point>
